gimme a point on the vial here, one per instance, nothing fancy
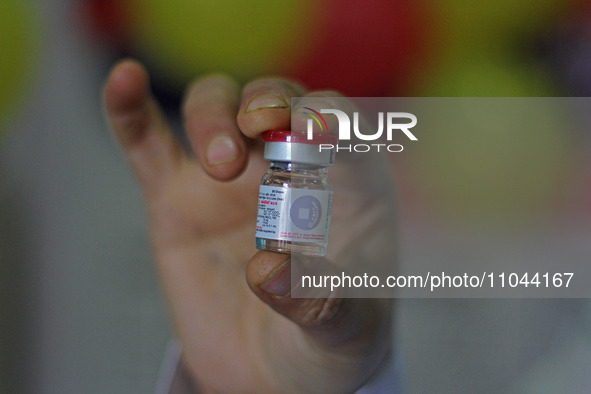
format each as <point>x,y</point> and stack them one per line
<point>295,196</point>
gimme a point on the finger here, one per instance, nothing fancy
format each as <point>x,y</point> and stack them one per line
<point>139,124</point>
<point>266,105</point>
<point>330,322</point>
<point>210,108</point>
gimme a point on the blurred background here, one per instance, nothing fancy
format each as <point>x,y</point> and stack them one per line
<point>81,307</point>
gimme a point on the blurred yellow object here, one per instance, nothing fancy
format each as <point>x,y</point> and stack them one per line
<point>484,75</point>
<point>478,21</point>
<point>482,46</point>
<point>17,45</point>
<point>243,38</point>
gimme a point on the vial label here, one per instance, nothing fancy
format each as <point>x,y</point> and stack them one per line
<point>288,214</point>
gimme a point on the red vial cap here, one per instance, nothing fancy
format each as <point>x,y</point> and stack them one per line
<point>301,138</point>
<point>277,136</point>
<point>283,145</point>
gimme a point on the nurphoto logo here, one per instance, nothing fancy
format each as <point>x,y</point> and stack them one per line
<point>392,125</point>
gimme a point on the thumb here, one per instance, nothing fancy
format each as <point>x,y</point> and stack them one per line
<point>330,321</point>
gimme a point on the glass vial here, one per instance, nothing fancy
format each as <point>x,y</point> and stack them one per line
<point>295,196</point>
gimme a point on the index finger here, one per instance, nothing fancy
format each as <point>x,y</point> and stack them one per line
<point>210,119</point>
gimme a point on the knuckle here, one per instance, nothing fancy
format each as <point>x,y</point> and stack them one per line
<point>210,89</point>
<point>320,312</point>
<point>272,84</point>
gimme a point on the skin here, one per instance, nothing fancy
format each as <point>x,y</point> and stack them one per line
<point>243,334</point>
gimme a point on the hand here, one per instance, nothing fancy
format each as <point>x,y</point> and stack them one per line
<point>203,213</point>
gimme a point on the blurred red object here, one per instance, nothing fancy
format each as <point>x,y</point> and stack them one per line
<point>107,22</point>
<point>370,48</point>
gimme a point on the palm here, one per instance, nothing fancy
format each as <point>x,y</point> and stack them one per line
<point>214,224</point>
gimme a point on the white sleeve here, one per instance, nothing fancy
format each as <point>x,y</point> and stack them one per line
<point>174,379</point>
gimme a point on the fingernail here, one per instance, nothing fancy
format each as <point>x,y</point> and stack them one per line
<point>222,149</point>
<point>278,282</point>
<point>266,101</point>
